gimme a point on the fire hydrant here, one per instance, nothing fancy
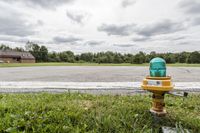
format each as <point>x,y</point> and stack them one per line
<point>159,84</point>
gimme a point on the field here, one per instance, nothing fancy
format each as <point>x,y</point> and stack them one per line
<point>89,64</point>
<point>89,113</point>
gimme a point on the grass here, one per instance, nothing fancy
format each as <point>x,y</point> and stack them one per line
<point>89,64</point>
<point>93,114</point>
<point>65,64</point>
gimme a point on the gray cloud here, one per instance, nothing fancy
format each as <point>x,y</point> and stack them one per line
<point>94,43</point>
<point>17,39</point>
<point>183,43</point>
<point>190,6</point>
<point>69,39</point>
<point>196,21</point>
<point>78,18</point>
<point>41,3</point>
<point>40,23</point>
<point>121,30</point>
<point>162,27</point>
<point>140,39</point>
<point>126,3</point>
<point>177,38</point>
<point>15,26</point>
<point>12,22</point>
<point>14,39</point>
<point>124,45</point>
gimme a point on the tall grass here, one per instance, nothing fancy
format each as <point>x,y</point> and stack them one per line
<point>89,113</point>
<point>88,64</point>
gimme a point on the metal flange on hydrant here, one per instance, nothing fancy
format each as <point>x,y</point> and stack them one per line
<point>159,84</point>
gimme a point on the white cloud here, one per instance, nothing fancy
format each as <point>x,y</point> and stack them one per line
<point>126,3</point>
<point>101,25</point>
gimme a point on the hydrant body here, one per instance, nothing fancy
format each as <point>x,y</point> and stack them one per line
<point>157,83</point>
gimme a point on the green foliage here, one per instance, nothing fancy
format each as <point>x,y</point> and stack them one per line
<point>87,57</point>
<point>182,57</point>
<point>89,113</point>
<point>139,58</point>
<point>53,57</point>
<point>67,56</point>
<point>194,57</point>
<point>4,47</point>
<point>41,54</point>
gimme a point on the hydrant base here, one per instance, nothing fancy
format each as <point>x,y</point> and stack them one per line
<point>163,113</point>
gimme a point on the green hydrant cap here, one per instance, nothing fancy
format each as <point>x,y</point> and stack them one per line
<point>157,67</point>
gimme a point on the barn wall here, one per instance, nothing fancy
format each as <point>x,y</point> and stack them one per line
<point>27,61</point>
<point>9,60</point>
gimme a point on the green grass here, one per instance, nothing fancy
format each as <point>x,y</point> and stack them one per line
<point>65,64</point>
<point>90,113</point>
<point>89,64</point>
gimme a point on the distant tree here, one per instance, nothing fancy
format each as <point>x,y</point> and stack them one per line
<point>151,56</point>
<point>139,58</point>
<point>169,58</point>
<point>87,57</point>
<point>43,52</point>
<point>102,59</point>
<point>34,49</point>
<point>5,47</point>
<point>109,57</point>
<point>118,58</point>
<point>194,57</point>
<point>182,58</point>
<point>19,49</point>
<point>53,57</point>
<point>67,56</point>
<point>128,58</point>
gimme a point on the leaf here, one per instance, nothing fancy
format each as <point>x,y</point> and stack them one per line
<point>11,129</point>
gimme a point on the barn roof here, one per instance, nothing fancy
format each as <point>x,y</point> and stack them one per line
<point>11,54</point>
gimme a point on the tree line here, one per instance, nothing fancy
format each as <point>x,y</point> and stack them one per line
<point>42,54</point>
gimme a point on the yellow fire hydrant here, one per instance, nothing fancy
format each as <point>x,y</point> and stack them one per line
<point>159,84</point>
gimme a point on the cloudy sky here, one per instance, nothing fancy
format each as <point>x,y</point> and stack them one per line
<point>126,26</point>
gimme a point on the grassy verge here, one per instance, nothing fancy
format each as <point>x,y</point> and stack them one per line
<point>89,64</point>
<point>65,64</point>
<point>89,113</point>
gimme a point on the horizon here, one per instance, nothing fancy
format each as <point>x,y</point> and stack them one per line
<point>26,50</point>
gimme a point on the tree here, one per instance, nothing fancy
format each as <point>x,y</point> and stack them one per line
<point>139,58</point>
<point>87,57</point>
<point>118,58</point>
<point>150,56</point>
<point>128,58</point>
<point>67,56</point>
<point>53,57</point>
<point>169,58</point>
<point>19,49</point>
<point>194,57</point>
<point>43,52</point>
<point>34,49</point>
<point>182,57</point>
<point>5,47</point>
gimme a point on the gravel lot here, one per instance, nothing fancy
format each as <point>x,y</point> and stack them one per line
<point>93,73</point>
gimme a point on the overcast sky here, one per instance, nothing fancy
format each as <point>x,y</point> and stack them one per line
<point>126,26</point>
